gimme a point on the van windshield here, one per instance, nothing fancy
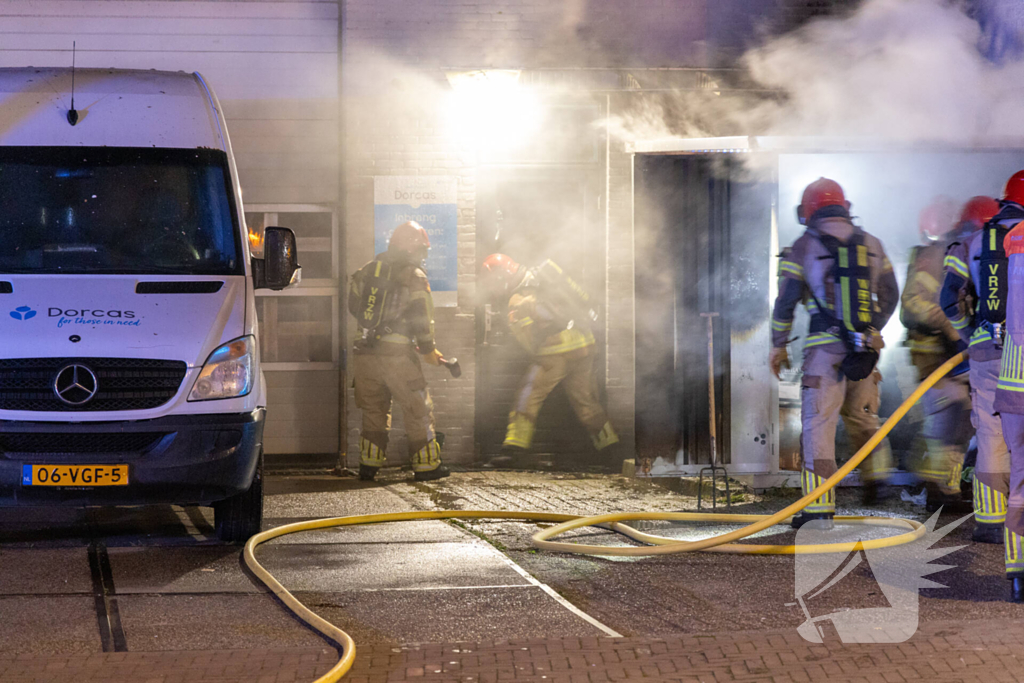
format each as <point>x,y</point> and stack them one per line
<point>117,210</point>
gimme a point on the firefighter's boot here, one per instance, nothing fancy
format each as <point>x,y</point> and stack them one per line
<point>440,472</point>
<point>871,492</point>
<point>987,533</point>
<point>1017,587</point>
<point>611,457</point>
<point>510,456</point>
<point>824,508</point>
<point>426,461</point>
<point>989,512</point>
<point>938,498</point>
<point>372,454</point>
<point>825,519</point>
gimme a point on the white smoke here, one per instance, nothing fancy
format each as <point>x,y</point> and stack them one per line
<point>898,70</point>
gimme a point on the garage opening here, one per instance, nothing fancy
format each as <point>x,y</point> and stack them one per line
<point>702,246</point>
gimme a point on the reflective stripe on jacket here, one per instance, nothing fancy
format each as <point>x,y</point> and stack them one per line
<point>805,274</point>
<point>535,329</point>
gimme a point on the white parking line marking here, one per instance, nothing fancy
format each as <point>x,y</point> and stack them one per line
<point>554,594</point>
<point>436,588</point>
<point>190,528</point>
<point>526,575</point>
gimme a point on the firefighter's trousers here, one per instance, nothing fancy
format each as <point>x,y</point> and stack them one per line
<point>825,395</point>
<point>576,368</point>
<point>393,372</point>
<point>1013,432</point>
<point>992,471</point>
<point>947,425</point>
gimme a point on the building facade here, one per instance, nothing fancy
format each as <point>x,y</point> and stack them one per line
<point>518,105</point>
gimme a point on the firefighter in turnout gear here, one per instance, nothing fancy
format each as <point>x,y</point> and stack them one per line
<point>390,299</point>
<point>550,315</point>
<point>1009,404</point>
<point>933,340</point>
<point>975,308</point>
<point>843,277</point>
<point>1009,401</point>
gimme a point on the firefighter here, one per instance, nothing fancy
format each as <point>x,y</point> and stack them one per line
<point>846,282</point>
<point>1009,404</point>
<point>550,315</point>
<point>1009,401</point>
<point>974,319</point>
<point>390,298</point>
<point>933,340</point>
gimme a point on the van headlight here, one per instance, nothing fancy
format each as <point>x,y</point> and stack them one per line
<point>227,373</point>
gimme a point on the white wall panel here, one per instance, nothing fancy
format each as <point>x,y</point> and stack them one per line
<point>273,64</point>
<point>293,9</point>
<point>90,42</point>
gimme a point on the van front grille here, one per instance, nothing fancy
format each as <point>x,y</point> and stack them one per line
<point>121,383</point>
<point>86,442</point>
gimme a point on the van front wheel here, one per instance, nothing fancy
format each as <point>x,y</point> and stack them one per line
<point>241,515</point>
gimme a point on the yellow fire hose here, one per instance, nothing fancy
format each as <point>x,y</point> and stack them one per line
<point>660,545</point>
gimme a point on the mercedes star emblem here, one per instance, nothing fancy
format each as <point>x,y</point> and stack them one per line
<point>75,384</point>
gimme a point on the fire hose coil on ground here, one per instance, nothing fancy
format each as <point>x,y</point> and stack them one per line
<point>658,545</point>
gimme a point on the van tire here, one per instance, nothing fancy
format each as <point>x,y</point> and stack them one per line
<point>241,515</point>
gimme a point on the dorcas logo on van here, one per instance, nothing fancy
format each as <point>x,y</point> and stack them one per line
<point>55,312</point>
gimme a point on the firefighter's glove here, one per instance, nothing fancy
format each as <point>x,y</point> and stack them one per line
<point>432,358</point>
<point>877,342</point>
<point>778,360</point>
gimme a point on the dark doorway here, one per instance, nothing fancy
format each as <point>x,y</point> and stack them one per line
<point>687,263</point>
<point>532,215</point>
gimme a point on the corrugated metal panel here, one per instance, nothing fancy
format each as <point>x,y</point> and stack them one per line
<point>274,66</point>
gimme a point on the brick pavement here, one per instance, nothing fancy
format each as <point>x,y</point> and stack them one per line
<point>989,651</point>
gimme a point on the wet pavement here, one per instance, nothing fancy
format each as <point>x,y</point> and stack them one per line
<point>703,592</point>
<point>120,583</point>
<point>80,582</point>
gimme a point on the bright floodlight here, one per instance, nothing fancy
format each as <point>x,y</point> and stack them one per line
<point>490,110</point>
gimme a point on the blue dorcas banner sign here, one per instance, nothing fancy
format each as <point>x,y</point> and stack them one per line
<point>432,202</point>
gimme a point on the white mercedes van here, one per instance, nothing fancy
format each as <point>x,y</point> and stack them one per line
<point>129,348</point>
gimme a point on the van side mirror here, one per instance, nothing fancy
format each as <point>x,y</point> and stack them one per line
<point>279,267</point>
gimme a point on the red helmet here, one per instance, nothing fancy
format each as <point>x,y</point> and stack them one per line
<point>937,219</point>
<point>819,194</point>
<point>408,237</point>
<point>497,273</point>
<point>978,211</point>
<point>1014,190</point>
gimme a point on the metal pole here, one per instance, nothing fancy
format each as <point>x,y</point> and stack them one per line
<point>711,386</point>
<point>714,468</point>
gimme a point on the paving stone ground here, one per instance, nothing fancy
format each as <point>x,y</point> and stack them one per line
<point>687,618</point>
<point>984,651</point>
